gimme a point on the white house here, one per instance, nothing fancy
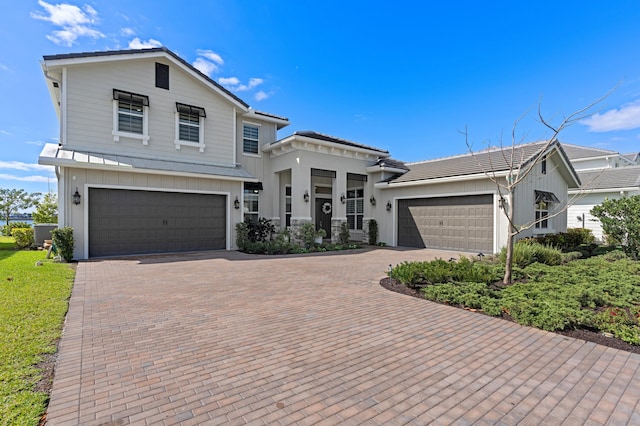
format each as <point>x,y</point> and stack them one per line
<point>604,175</point>
<point>156,157</point>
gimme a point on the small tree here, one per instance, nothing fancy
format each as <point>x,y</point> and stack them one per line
<point>47,209</point>
<point>13,200</point>
<point>620,220</point>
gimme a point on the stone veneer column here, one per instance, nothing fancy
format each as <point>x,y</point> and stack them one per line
<point>335,229</point>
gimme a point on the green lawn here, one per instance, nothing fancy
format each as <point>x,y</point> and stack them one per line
<point>33,303</point>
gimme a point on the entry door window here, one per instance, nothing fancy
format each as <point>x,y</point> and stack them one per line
<point>355,208</point>
<point>287,206</point>
<point>251,205</point>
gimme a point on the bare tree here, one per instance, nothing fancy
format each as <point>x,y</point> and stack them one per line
<point>519,167</point>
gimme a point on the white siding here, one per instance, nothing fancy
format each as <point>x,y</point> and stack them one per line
<point>90,111</point>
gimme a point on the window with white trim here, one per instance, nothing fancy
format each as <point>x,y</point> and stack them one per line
<point>251,208</point>
<point>190,126</point>
<point>130,116</point>
<point>250,138</point>
<point>287,206</point>
<point>543,200</point>
<point>355,208</point>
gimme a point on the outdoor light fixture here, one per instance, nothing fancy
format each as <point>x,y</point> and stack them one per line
<point>76,197</point>
<point>389,206</point>
<point>306,196</point>
<point>372,200</point>
<point>236,203</point>
<point>343,199</point>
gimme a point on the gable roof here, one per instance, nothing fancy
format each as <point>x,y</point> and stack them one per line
<point>494,160</point>
<point>333,139</point>
<point>576,152</point>
<point>633,157</point>
<point>614,179</point>
<point>315,137</point>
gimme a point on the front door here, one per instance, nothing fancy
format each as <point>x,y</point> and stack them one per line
<point>324,211</point>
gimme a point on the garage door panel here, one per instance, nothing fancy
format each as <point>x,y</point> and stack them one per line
<point>132,222</point>
<point>457,223</point>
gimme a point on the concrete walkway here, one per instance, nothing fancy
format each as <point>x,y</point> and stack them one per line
<point>227,338</point>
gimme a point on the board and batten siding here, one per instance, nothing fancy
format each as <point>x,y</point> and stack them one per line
<point>90,111</point>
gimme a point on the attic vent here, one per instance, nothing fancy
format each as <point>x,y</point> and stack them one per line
<point>162,76</point>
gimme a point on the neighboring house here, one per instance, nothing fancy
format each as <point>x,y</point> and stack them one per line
<point>156,157</point>
<point>604,174</point>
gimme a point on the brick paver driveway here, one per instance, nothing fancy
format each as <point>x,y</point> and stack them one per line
<point>227,338</point>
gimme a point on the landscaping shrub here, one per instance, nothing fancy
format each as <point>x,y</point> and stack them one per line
<point>622,323</point>
<point>419,274</point>
<point>344,236</point>
<point>373,232</point>
<point>63,240</point>
<point>620,219</point>
<point>308,234</point>
<point>8,229</point>
<point>23,237</point>
<point>568,241</point>
<point>526,252</point>
<point>469,295</point>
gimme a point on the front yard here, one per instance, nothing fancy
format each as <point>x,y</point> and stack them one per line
<point>33,302</point>
<point>599,295</point>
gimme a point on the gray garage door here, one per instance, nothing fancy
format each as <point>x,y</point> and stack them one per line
<point>453,223</point>
<point>134,222</point>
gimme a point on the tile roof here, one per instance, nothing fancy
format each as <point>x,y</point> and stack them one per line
<point>143,51</point>
<point>333,139</point>
<point>53,154</point>
<point>633,157</point>
<point>495,159</point>
<point>576,152</point>
<point>392,163</point>
<point>622,177</point>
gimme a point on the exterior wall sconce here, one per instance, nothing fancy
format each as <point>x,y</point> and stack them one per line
<point>389,206</point>
<point>372,200</point>
<point>306,196</point>
<point>343,198</point>
<point>76,197</point>
<point>236,203</point>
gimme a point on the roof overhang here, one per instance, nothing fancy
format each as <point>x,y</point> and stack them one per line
<point>54,155</point>
<point>299,142</point>
<point>378,168</point>
<point>280,122</point>
<point>449,179</point>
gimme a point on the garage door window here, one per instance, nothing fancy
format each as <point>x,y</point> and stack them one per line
<point>355,208</point>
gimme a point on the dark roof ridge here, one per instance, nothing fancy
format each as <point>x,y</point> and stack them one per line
<point>328,138</point>
<point>489,150</point>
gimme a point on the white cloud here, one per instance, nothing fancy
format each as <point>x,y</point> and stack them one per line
<point>205,67</point>
<point>73,21</point>
<point>4,132</point>
<point>211,56</point>
<point>127,32</point>
<point>233,83</point>
<point>261,96</point>
<point>3,67</point>
<point>627,117</point>
<point>136,43</point>
<point>25,167</point>
<point>43,179</point>
<point>228,81</point>
<point>36,143</point>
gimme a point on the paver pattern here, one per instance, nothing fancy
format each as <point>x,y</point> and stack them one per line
<point>228,338</point>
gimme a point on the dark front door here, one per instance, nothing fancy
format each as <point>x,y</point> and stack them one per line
<point>324,211</point>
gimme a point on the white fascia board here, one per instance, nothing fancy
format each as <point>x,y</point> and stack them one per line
<point>374,169</point>
<point>387,185</point>
<point>280,123</point>
<point>312,141</point>
<point>602,190</point>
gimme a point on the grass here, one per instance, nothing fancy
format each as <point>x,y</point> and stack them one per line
<point>33,303</point>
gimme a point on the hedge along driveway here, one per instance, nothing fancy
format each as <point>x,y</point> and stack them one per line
<point>232,338</point>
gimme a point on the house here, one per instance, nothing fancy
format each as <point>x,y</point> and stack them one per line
<point>604,174</point>
<point>156,157</point>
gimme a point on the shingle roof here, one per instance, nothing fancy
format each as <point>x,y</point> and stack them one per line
<point>576,152</point>
<point>622,177</point>
<point>327,138</point>
<point>633,156</point>
<point>139,51</point>
<point>53,154</point>
<point>496,160</point>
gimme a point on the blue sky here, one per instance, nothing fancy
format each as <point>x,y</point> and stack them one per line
<point>404,76</point>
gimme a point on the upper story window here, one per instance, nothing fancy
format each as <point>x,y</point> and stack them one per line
<point>190,126</point>
<point>250,138</point>
<point>130,116</point>
<point>543,165</point>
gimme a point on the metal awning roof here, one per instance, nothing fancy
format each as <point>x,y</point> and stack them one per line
<point>547,197</point>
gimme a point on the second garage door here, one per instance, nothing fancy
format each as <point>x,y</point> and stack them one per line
<point>453,223</point>
<point>133,222</point>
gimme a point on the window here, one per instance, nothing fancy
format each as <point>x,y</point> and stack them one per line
<point>542,201</point>
<point>130,116</point>
<point>190,126</point>
<point>162,76</point>
<point>250,138</point>
<point>355,208</point>
<point>287,206</point>
<point>251,205</point>
<point>543,165</point>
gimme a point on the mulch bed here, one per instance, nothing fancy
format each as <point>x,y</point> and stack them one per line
<point>588,335</point>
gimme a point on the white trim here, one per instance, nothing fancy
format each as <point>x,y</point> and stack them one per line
<point>381,169</point>
<point>117,134</point>
<point>388,185</point>
<point>178,142</point>
<point>62,200</point>
<point>235,134</point>
<point>341,151</point>
<point>252,154</point>
<point>85,207</point>
<point>603,190</point>
<point>308,218</point>
<point>63,108</point>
